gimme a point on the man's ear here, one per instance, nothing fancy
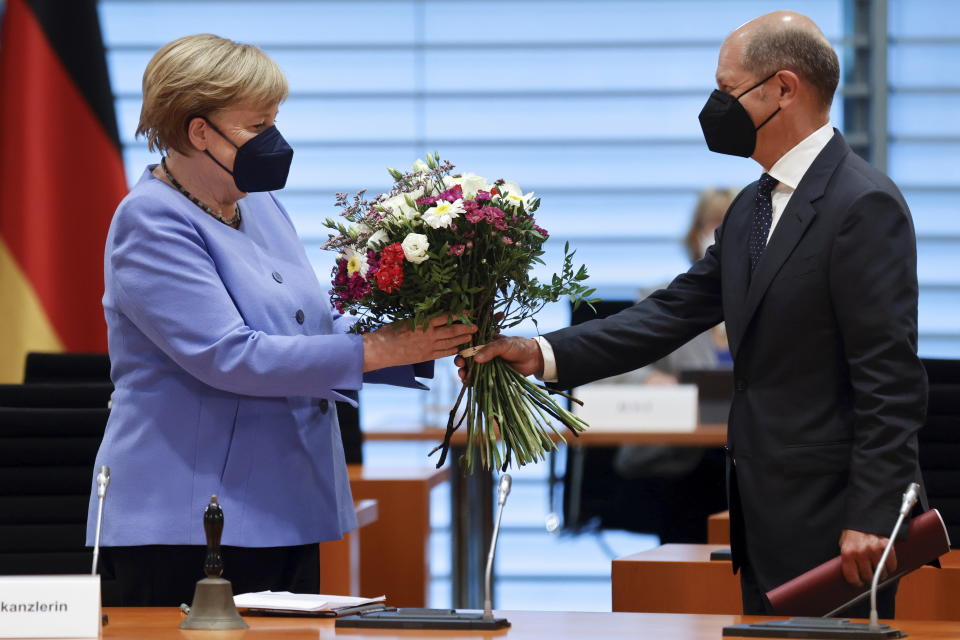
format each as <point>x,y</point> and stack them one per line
<point>197,132</point>
<point>787,85</point>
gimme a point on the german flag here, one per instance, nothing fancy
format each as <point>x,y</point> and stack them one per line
<point>61,176</point>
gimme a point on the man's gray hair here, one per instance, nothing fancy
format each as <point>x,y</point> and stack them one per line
<point>806,53</point>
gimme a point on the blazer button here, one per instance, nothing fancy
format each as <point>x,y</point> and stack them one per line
<point>740,384</point>
<point>276,276</point>
<point>324,405</point>
<point>300,316</point>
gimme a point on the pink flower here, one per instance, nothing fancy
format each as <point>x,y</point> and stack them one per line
<point>452,194</point>
<point>457,250</point>
<point>507,240</point>
<point>495,217</point>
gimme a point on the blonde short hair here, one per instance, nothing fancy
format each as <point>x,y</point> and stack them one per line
<point>710,201</point>
<point>198,75</point>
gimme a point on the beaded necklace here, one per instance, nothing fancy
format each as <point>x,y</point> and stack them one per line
<point>233,222</point>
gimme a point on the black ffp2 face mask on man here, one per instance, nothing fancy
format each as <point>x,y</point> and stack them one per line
<point>262,163</point>
<point>727,127</point>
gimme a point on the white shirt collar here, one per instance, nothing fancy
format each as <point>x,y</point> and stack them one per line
<point>792,165</point>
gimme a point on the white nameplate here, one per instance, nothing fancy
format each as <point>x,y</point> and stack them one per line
<point>638,407</point>
<point>50,606</point>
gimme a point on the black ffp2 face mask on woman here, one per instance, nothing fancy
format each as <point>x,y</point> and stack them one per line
<point>727,127</point>
<point>261,164</point>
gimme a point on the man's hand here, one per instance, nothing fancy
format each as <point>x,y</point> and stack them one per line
<point>523,354</point>
<point>861,553</point>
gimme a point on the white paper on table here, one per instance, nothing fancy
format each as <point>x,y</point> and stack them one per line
<point>305,602</point>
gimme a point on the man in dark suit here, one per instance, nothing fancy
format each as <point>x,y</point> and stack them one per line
<point>814,273</point>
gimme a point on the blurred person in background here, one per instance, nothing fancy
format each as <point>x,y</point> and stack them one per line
<point>676,488</point>
<point>226,355</point>
<point>709,350</point>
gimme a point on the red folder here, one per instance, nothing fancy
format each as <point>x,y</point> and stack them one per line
<point>823,589</point>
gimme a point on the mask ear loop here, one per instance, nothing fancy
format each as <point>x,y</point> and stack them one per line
<point>769,118</point>
<point>210,155</point>
<point>738,97</point>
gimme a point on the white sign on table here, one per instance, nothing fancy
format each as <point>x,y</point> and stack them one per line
<point>638,407</point>
<point>50,606</point>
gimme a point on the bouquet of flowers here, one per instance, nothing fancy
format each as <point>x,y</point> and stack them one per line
<point>445,243</point>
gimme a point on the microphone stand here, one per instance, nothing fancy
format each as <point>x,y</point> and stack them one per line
<point>827,626</point>
<point>103,481</point>
<point>909,499</point>
<point>502,492</point>
<point>443,618</point>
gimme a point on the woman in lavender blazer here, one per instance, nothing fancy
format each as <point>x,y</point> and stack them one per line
<point>226,354</point>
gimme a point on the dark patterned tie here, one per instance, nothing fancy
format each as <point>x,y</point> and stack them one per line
<point>762,219</point>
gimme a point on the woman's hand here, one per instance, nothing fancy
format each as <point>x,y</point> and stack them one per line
<point>395,345</point>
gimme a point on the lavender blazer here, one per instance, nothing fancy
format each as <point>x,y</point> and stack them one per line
<point>227,357</point>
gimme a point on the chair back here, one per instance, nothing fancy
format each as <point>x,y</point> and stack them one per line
<point>67,367</point>
<point>46,471</point>
<point>68,395</point>
<point>939,444</point>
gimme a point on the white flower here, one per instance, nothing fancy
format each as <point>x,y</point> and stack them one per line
<point>510,188</point>
<point>378,239</point>
<point>356,261</point>
<point>400,208</point>
<point>512,193</point>
<point>443,214</point>
<point>415,247</point>
<point>420,166</point>
<point>357,229</point>
<point>413,196</point>
<point>470,183</point>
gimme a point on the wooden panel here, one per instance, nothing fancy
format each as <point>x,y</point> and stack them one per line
<point>393,550</point>
<point>675,578</point>
<point>718,528</point>
<point>340,559</point>
<point>681,578</point>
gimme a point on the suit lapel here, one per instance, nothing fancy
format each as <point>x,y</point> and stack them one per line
<point>794,221</point>
<point>736,264</point>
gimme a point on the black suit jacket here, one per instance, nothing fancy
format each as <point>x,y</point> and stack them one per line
<point>829,389</point>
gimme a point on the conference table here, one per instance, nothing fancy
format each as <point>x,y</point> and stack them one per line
<point>471,527</point>
<point>161,624</point>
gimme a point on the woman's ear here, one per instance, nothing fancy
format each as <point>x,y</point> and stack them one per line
<point>197,132</point>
